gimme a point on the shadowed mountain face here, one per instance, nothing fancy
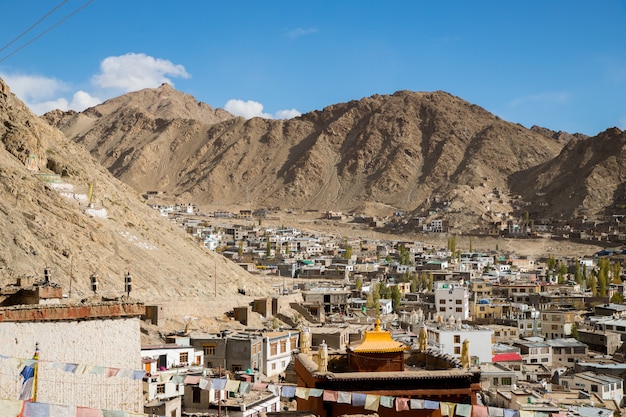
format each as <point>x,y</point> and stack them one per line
<point>408,151</point>
<point>587,178</point>
<point>48,220</point>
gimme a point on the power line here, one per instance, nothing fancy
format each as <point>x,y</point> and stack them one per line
<point>32,26</point>
<point>47,30</point>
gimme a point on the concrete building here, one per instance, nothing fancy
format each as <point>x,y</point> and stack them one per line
<point>234,352</point>
<point>527,320</point>
<point>605,386</point>
<point>494,376</point>
<point>277,349</point>
<point>600,341</point>
<point>558,323</point>
<point>452,300</point>
<point>162,357</point>
<point>534,352</point>
<point>335,337</point>
<point>212,402</point>
<point>501,333</point>
<point>565,352</point>
<point>448,339</point>
<point>163,392</point>
<point>332,300</point>
<point>481,288</point>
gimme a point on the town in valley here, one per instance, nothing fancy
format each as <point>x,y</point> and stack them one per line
<point>352,326</point>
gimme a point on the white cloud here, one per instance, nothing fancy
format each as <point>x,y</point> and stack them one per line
<point>250,109</point>
<point>247,109</point>
<point>287,114</point>
<point>132,72</point>
<point>42,94</point>
<point>541,98</point>
<point>118,74</point>
<point>83,100</point>
<point>46,106</point>
<point>34,88</point>
<point>80,101</point>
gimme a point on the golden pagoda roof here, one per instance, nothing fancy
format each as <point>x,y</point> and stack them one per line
<point>379,341</point>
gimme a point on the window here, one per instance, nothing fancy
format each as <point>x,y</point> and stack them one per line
<point>495,381</point>
<point>457,338</point>
<point>594,388</point>
<point>555,327</point>
<point>273,348</point>
<point>236,367</point>
<point>482,308</point>
<point>273,367</point>
<point>506,381</point>
<point>294,343</point>
<point>457,350</point>
<point>442,301</point>
<point>209,349</point>
<point>497,334</point>
<point>183,357</point>
<point>459,301</point>
<point>544,359</point>
<point>161,389</point>
<point>459,309</point>
<point>283,346</point>
<point>442,309</point>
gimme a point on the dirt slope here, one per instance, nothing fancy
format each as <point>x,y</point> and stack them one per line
<point>47,222</point>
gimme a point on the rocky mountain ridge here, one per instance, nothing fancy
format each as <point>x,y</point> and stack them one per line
<point>413,152</point>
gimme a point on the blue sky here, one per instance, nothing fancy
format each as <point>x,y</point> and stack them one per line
<point>557,64</point>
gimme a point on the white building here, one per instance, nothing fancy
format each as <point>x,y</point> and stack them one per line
<point>164,357</point>
<point>102,338</point>
<point>386,306</point>
<point>277,349</point>
<point>448,339</point>
<point>606,387</point>
<point>452,300</point>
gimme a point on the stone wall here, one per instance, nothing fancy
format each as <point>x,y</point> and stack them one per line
<point>106,342</point>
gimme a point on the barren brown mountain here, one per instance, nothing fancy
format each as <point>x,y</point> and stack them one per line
<point>411,152</point>
<point>588,178</point>
<point>47,221</point>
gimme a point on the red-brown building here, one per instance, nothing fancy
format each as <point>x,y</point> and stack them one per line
<point>382,366</point>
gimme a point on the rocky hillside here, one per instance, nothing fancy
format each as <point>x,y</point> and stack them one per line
<point>587,178</point>
<point>408,151</point>
<point>47,221</point>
